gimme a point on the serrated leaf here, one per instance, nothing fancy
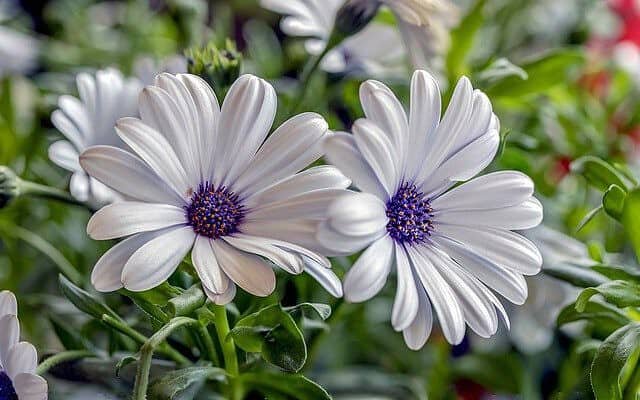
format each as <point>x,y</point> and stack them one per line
<point>294,386</point>
<point>619,293</point>
<point>173,383</point>
<point>613,201</point>
<point>615,362</point>
<point>272,332</point>
<point>83,300</point>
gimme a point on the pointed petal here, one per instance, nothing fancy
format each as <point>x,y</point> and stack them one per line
<point>246,270</point>
<point>369,274</point>
<point>206,265</point>
<point>405,305</point>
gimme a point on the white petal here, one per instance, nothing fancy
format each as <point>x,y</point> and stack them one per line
<point>155,261</point>
<point>523,216</point>
<point>128,217</point>
<point>107,273</point>
<point>494,190</point>
<point>324,276</point>
<point>30,387</point>
<point>301,231</point>
<point>509,284</point>
<point>341,151</point>
<point>306,205</point>
<point>423,121</point>
<point>22,358</point>
<point>80,186</point>
<point>369,274</point>
<point>69,127</point>
<point>443,298</point>
<point>64,155</point>
<point>224,298</point>
<point>292,147</point>
<point>268,249</point>
<point>416,334</point>
<point>338,243</point>
<point>357,214</point>
<point>8,303</point>
<point>10,329</point>
<point>128,175</point>
<point>170,114</point>
<point>156,151</point>
<point>315,178</point>
<point>245,120</point>
<point>206,264</point>
<point>405,304</point>
<point>378,151</point>
<point>246,270</point>
<point>506,248</point>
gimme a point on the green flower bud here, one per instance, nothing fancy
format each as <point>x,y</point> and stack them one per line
<point>220,67</point>
<point>9,185</point>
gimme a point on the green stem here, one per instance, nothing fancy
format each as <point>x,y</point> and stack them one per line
<point>60,358</point>
<point>632,392</point>
<point>228,350</point>
<point>209,346</point>
<point>305,78</point>
<point>48,192</point>
<point>146,354</point>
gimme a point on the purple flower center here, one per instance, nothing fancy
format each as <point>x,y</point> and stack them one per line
<point>7,392</point>
<point>409,214</point>
<point>214,212</point>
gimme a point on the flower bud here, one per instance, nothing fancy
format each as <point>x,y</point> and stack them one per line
<point>220,67</point>
<point>352,17</point>
<point>9,185</point>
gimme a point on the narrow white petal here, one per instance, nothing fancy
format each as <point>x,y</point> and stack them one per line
<point>369,274</point>
<point>156,151</point>
<point>315,178</point>
<point>522,216</point>
<point>357,214</point>
<point>443,298</point>
<point>248,271</point>
<point>30,387</point>
<point>128,175</point>
<point>64,155</point>
<point>378,151</point>
<point>155,261</point>
<point>10,329</point>
<point>22,358</point>
<point>290,148</point>
<point>128,217</point>
<point>324,276</point>
<point>416,334</point>
<point>405,304</point>
<point>341,151</point>
<point>206,264</point>
<point>312,204</point>
<point>268,249</point>
<point>245,120</point>
<point>69,128</point>
<point>8,303</point>
<point>341,244</point>
<point>224,298</point>
<point>107,273</point>
<point>301,231</point>
<point>72,120</point>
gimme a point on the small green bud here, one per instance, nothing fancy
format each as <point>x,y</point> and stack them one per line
<point>220,67</point>
<point>352,17</point>
<point>9,185</point>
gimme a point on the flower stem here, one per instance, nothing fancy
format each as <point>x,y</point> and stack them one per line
<point>228,350</point>
<point>305,78</point>
<point>48,192</point>
<point>207,340</point>
<point>60,358</point>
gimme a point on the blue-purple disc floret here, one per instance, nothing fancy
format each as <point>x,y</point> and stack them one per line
<point>7,391</point>
<point>214,212</point>
<point>410,215</point>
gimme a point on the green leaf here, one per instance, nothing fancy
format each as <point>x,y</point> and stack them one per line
<point>615,363</point>
<point>173,383</point>
<point>500,69</point>
<point>83,300</point>
<point>309,310</point>
<point>598,172</point>
<point>613,201</point>
<point>618,272</point>
<point>587,218</point>
<point>124,361</point>
<point>273,333</point>
<point>619,293</point>
<point>67,335</point>
<point>293,386</point>
<point>462,38</point>
<point>631,219</point>
<point>544,72</point>
<point>576,275</point>
<point>187,302</point>
<point>604,316</point>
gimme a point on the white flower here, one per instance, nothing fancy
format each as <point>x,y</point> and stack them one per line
<point>18,52</point>
<point>203,180</point>
<point>18,360</point>
<point>146,68</point>
<point>450,245</point>
<point>424,25</point>
<point>87,121</point>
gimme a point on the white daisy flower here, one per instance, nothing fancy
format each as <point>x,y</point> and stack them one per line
<point>105,97</point>
<point>203,180</point>
<point>18,52</point>
<point>18,360</point>
<point>451,246</point>
<point>423,25</point>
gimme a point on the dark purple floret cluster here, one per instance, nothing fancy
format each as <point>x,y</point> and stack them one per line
<point>214,212</point>
<point>7,391</point>
<point>410,215</point>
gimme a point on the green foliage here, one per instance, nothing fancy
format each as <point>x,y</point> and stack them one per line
<point>84,301</point>
<point>598,173</point>
<point>615,370</point>
<point>619,293</point>
<point>631,219</point>
<point>172,384</point>
<point>462,40</point>
<point>285,386</point>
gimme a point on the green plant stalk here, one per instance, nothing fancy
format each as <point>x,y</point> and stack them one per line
<point>48,192</point>
<point>146,354</point>
<point>228,350</point>
<point>632,391</point>
<point>305,78</point>
<point>209,346</point>
<point>60,358</point>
